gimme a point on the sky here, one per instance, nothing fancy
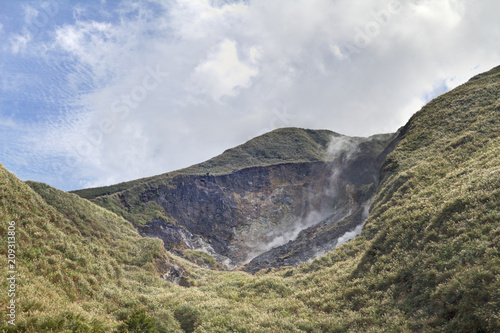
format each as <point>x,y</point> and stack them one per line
<point>96,92</point>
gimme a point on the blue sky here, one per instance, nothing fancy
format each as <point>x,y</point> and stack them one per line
<point>99,92</point>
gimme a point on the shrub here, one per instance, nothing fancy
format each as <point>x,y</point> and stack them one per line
<point>138,322</point>
<point>188,317</point>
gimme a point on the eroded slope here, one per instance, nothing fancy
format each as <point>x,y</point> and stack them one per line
<point>300,178</point>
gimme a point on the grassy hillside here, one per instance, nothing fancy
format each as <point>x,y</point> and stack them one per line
<point>79,267</point>
<point>428,259</point>
<point>434,228</point>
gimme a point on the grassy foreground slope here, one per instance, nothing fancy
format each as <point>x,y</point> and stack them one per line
<point>79,267</point>
<point>434,229</point>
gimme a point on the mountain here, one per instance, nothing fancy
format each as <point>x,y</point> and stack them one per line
<point>256,197</point>
<point>427,258</point>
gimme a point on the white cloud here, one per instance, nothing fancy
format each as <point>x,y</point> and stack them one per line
<point>222,72</point>
<point>227,68</point>
<point>199,19</point>
<point>91,43</point>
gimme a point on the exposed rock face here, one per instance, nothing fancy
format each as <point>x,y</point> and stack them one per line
<point>242,214</point>
<point>268,215</point>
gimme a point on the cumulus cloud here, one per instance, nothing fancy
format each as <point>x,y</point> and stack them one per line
<point>357,68</point>
<point>222,73</point>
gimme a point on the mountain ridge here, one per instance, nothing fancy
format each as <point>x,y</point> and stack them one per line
<point>249,152</point>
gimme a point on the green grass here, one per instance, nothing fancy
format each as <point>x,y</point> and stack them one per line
<point>80,267</point>
<point>428,259</point>
<point>202,259</point>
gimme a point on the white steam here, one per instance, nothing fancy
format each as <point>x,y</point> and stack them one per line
<point>356,231</point>
<point>342,149</point>
<point>349,235</point>
<point>285,233</point>
<point>343,144</point>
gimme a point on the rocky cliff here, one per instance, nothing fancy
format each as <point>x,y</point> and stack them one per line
<point>289,197</point>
